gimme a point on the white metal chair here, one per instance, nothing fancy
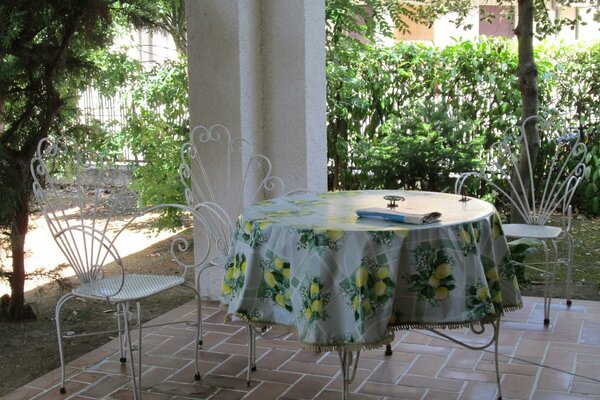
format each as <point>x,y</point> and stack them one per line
<point>538,192</point>
<point>87,231</point>
<point>219,195</point>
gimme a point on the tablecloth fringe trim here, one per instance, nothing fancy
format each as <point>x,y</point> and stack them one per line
<point>367,346</point>
<point>348,346</point>
<point>512,307</point>
<point>313,346</point>
<point>438,325</point>
<point>452,324</point>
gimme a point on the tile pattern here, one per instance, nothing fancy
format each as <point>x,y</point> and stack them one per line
<point>561,361</point>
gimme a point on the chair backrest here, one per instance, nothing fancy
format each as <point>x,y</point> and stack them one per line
<point>241,177</point>
<point>537,190</point>
<point>87,206</point>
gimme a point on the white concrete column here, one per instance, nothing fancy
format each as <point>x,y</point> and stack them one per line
<point>224,64</point>
<point>294,88</point>
<point>258,67</point>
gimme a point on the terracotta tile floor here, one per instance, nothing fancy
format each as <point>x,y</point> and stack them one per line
<point>561,361</point>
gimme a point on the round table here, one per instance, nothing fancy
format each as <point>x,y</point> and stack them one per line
<point>309,263</point>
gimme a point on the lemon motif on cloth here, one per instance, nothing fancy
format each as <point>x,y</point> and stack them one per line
<point>479,301</point>
<point>492,280</point>
<point>288,213</point>
<point>496,227</point>
<point>338,194</point>
<point>263,224</point>
<point>314,300</point>
<point>275,286</point>
<point>235,272</point>
<point>307,203</point>
<point>434,277</point>
<point>383,237</point>
<point>265,202</point>
<point>320,239</point>
<point>469,235</point>
<point>251,232</point>
<point>369,288</point>
<point>506,271</point>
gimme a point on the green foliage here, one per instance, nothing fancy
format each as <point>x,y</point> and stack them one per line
<point>167,16</point>
<point>590,187</point>
<point>156,100</point>
<point>408,116</point>
<point>572,77</point>
<point>411,115</point>
<point>520,250</point>
<point>417,150</point>
<point>48,53</point>
<point>156,125</point>
<point>43,56</point>
<point>45,49</point>
<point>38,80</point>
<point>361,19</point>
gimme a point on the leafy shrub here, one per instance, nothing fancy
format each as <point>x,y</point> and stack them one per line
<point>156,125</point>
<point>417,150</point>
<point>408,116</point>
<point>413,114</point>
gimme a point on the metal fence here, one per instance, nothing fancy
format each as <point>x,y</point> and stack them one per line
<point>111,111</point>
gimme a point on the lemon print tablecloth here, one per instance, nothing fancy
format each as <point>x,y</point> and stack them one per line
<point>307,262</point>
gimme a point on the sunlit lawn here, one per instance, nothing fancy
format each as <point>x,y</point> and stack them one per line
<point>586,267</point>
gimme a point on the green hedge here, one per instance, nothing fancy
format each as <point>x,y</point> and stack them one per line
<point>412,115</point>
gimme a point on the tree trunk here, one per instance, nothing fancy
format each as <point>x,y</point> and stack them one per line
<point>528,86</point>
<point>16,308</point>
<point>340,161</point>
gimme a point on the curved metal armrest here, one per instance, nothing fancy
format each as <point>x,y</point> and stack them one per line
<point>462,178</point>
<point>460,181</point>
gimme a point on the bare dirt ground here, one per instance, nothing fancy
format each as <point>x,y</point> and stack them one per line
<point>29,349</point>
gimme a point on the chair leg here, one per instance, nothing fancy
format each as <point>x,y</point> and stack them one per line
<point>496,358</point>
<point>569,268</point>
<point>200,331</point>
<point>388,350</point>
<point>548,281</point>
<point>138,307</point>
<point>59,305</point>
<point>251,352</point>
<point>122,356</point>
<point>197,290</point>
<point>198,342</point>
<point>124,311</point>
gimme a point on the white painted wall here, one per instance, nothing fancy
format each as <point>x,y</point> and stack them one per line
<point>586,30</point>
<point>445,31</point>
<point>294,88</point>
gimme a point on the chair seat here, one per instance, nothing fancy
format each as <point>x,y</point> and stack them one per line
<point>531,231</point>
<point>135,287</point>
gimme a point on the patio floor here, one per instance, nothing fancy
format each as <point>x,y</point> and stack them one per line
<point>561,361</point>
